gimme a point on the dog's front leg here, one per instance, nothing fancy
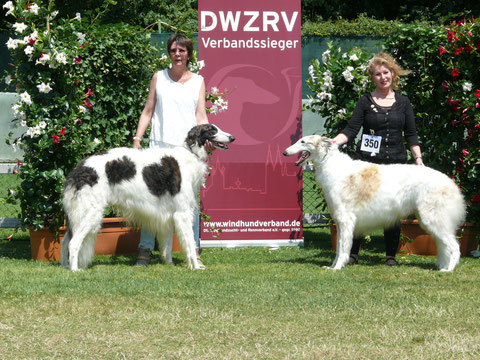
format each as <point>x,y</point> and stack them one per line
<point>184,230</point>
<point>344,244</point>
<point>165,243</point>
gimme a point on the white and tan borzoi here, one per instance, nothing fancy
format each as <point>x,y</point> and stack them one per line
<point>154,188</point>
<point>362,196</point>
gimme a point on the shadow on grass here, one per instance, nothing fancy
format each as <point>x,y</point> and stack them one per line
<point>318,251</point>
<point>372,252</point>
<point>15,249</point>
<point>131,260</point>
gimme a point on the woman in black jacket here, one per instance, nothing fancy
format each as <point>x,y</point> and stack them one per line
<point>387,120</point>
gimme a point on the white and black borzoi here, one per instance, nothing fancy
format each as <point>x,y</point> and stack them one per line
<point>154,188</point>
<point>362,196</point>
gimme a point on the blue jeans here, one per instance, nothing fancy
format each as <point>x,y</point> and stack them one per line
<point>147,240</point>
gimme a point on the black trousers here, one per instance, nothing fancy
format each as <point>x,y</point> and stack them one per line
<point>391,237</point>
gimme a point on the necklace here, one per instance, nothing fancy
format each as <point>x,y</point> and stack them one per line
<point>388,96</point>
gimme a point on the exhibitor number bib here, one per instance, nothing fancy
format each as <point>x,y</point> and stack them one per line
<point>371,143</point>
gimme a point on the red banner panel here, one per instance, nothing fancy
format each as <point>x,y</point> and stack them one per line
<point>252,49</point>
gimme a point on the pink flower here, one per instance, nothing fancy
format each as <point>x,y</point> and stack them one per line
<point>89,93</point>
<point>477,126</point>
<point>445,86</point>
<point>476,198</point>
<point>477,93</point>
<point>78,121</point>
<point>62,132</point>
<point>455,72</point>
<point>468,48</point>
<point>465,152</point>
<point>55,138</point>
<point>78,60</point>
<point>442,50</point>
<point>87,104</point>
<point>458,51</point>
<point>19,163</point>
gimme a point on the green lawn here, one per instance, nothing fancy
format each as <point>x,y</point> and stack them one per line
<point>250,303</point>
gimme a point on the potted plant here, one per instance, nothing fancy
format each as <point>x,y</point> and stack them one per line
<point>81,87</point>
<point>445,91</point>
<point>446,100</point>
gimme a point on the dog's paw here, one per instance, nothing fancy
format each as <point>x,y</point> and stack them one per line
<point>329,267</point>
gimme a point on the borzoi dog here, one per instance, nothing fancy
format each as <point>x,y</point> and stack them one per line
<point>362,196</point>
<point>154,188</point>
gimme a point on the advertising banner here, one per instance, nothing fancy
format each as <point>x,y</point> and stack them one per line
<point>252,51</point>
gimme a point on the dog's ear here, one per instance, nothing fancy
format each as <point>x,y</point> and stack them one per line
<point>328,143</point>
<point>200,134</point>
<point>192,136</point>
<point>207,132</point>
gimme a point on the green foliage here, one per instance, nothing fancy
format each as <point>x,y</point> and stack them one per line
<point>338,80</point>
<point>416,47</point>
<point>82,88</point>
<point>144,13</point>
<point>447,104</point>
<point>361,25</point>
<point>117,67</point>
<point>411,10</point>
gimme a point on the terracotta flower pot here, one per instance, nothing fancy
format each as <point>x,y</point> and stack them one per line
<point>418,242</point>
<point>114,238</point>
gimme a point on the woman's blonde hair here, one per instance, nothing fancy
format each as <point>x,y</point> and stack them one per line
<point>389,62</point>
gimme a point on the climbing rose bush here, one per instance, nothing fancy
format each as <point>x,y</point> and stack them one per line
<point>460,55</point>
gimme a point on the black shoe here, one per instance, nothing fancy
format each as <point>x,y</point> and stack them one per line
<point>144,256</point>
<point>391,261</point>
<point>353,260</point>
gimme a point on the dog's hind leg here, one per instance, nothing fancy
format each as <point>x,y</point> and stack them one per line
<point>184,229</point>
<point>82,244</point>
<point>64,250</point>
<point>87,251</point>
<point>442,227</point>
<point>448,249</point>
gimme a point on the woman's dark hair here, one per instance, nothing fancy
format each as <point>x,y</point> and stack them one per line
<point>183,41</point>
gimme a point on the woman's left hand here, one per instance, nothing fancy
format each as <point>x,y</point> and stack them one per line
<point>419,161</point>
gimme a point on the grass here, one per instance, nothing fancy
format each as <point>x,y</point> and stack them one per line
<point>250,303</point>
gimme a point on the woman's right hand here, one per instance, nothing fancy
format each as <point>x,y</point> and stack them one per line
<point>136,144</point>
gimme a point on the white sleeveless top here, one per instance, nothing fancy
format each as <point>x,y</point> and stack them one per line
<point>175,108</point>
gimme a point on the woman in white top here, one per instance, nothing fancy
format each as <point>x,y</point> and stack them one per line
<point>175,103</point>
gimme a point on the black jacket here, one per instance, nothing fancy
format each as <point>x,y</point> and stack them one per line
<point>391,124</point>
